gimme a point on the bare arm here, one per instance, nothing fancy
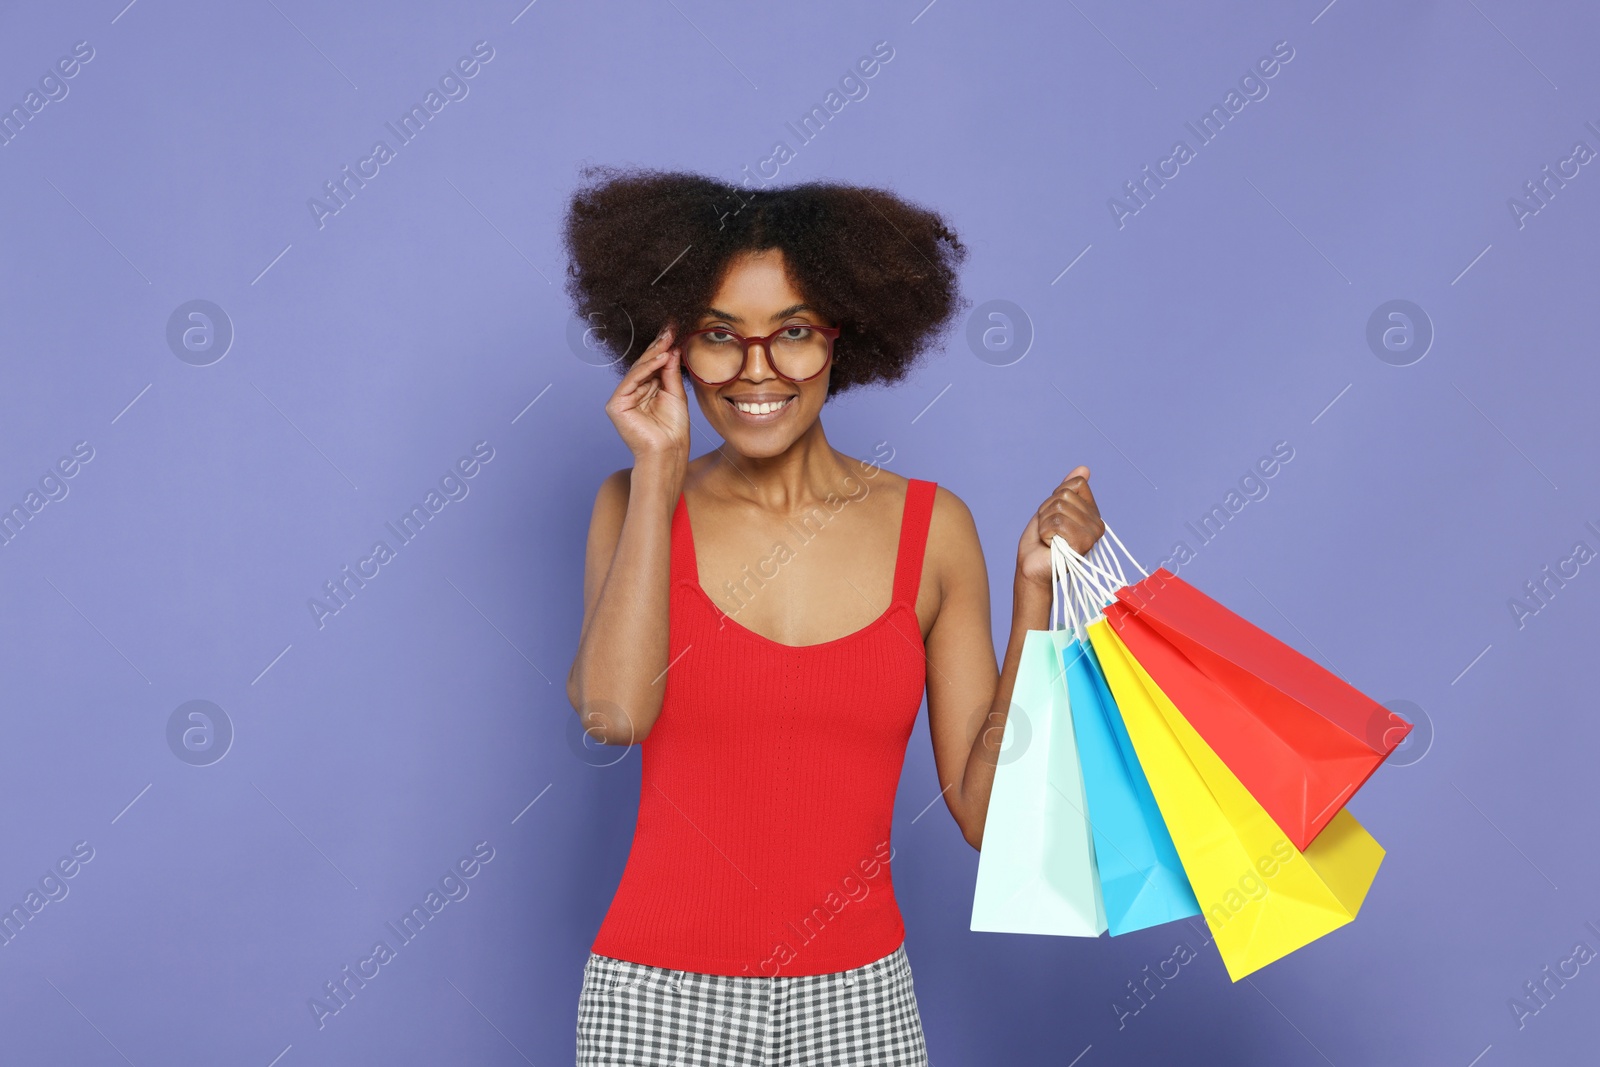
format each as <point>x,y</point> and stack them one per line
<point>969,696</point>
<point>615,683</point>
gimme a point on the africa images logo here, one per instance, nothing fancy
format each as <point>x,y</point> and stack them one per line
<point>453,486</point>
<point>1252,87</point>
<point>452,87</point>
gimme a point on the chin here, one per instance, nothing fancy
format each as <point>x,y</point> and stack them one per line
<point>757,445</point>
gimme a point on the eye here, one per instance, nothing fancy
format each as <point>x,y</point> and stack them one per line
<point>719,337</point>
<point>796,333</point>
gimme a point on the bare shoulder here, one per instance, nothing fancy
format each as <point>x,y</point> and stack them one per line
<point>950,510</point>
<point>949,524</point>
<point>612,496</point>
<point>954,552</point>
<point>611,499</point>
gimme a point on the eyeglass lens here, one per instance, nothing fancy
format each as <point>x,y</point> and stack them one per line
<point>795,352</point>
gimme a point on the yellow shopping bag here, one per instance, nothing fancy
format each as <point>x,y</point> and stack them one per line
<point>1261,897</point>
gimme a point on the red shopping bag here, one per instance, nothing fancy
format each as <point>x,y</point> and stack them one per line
<point>1300,739</point>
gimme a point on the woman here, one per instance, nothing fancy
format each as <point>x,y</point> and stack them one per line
<point>762,619</point>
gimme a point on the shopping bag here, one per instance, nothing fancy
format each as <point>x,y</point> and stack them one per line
<point>1036,869</point>
<point>1141,877</point>
<point>1299,737</point>
<point>1261,897</point>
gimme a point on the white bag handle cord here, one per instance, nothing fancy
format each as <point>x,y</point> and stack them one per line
<point>1058,589</point>
<point>1075,576</point>
<point>1113,535</point>
<point>1086,580</point>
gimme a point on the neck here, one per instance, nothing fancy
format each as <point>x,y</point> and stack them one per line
<point>802,474</point>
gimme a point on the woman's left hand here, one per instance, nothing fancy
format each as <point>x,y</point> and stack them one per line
<point>1071,513</point>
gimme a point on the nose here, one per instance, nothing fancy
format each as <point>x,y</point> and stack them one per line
<point>758,363</point>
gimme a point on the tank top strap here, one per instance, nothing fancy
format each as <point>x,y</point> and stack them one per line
<point>913,539</point>
<point>683,565</point>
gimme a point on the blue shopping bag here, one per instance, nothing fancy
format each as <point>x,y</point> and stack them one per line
<point>1141,878</point>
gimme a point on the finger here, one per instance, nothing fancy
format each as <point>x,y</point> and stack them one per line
<point>1078,486</point>
<point>672,375</point>
<point>1068,515</point>
<point>655,349</point>
<point>1064,518</point>
<point>1067,501</point>
<point>663,339</point>
<point>647,365</point>
<point>1076,473</point>
<point>635,386</point>
<point>1080,539</point>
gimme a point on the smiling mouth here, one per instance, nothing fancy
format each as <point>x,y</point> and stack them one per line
<point>761,411</point>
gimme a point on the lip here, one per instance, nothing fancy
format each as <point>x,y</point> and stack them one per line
<point>761,398</point>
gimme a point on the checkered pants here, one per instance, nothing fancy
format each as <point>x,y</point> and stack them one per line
<point>636,1015</point>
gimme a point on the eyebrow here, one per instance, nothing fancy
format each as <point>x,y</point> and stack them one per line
<point>716,313</point>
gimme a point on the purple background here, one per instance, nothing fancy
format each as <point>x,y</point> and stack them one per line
<point>1229,313</point>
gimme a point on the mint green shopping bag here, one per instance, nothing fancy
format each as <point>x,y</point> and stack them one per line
<point>1036,870</point>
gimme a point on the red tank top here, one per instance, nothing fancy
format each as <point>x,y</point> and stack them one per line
<point>767,784</point>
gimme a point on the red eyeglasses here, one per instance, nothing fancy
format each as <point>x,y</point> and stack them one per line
<point>797,352</point>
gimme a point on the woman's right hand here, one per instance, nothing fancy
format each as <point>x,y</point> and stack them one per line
<point>649,408</point>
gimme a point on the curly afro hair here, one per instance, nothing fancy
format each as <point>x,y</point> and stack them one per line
<point>648,248</point>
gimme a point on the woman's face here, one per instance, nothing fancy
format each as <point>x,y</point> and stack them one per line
<point>756,298</point>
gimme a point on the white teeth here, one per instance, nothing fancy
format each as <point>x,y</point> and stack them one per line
<point>759,409</point>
